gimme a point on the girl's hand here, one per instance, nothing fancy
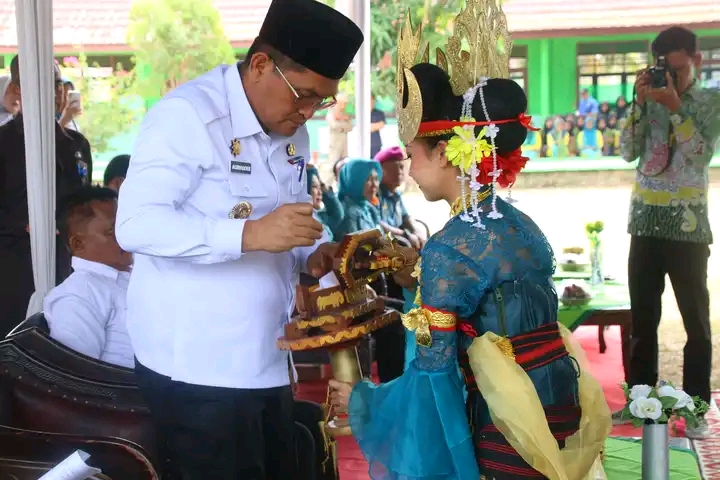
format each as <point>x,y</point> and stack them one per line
<point>339,394</point>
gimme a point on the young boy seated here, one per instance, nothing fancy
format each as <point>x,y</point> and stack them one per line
<point>116,171</point>
<point>87,311</point>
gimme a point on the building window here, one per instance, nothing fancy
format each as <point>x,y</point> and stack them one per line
<point>608,70</point>
<point>710,70</point>
<point>518,66</point>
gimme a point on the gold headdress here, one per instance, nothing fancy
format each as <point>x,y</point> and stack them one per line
<point>480,46</point>
<point>478,49</point>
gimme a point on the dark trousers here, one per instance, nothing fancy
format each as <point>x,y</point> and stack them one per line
<point>390,351</point>
<point>212,433</point>
<point>685,263</point>
<point>389,340</point>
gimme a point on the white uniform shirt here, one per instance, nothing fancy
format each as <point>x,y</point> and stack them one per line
<point>86,312</point>
<point>199,309</point>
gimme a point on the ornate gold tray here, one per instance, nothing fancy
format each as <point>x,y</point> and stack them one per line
<point>344,314</point>
<point>336,318</point>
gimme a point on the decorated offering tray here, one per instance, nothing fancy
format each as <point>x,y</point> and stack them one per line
<point>336,317</point>
<point>344,313</point>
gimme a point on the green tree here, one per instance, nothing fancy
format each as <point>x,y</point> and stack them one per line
<point>175,41</point>
<point>387,17</point>
<point>109,101</point>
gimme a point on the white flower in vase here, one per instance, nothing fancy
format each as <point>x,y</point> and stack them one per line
<point>646,408</point>
<point>661,405</point>
<point>682,399</point>
<point>640,391</point>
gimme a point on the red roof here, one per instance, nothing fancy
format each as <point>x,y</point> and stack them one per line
<point>554,18</point>
<point>102,25</point>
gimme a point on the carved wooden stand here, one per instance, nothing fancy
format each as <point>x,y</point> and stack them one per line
<point>337,318</point>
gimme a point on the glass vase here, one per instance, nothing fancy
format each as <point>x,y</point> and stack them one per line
<point>655,452</point>
<point>596,274</point>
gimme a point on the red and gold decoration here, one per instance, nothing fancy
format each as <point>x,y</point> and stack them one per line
<point>337,318</point>
<point>478,49</point>
<point>423,319</point>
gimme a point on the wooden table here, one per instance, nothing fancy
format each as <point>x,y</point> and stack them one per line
<point>606,318</point>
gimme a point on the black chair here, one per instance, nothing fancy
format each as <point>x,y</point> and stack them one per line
<point>324,460</point>
<point>34,321</point>
<point>27,455</point>
<point>47,388</point>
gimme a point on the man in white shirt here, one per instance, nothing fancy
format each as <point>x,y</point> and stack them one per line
<point>216,212</point>
<point>86,312</point>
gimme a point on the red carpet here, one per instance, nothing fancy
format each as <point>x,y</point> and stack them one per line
<point>606,367</point>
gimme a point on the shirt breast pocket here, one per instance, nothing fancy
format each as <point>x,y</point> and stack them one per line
<point>298,183</point>
<point>249,197</point>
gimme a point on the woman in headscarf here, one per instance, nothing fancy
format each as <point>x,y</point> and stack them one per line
<point>544,134</point>
<point>603,111</point>
<point>327,206</point>
<point>590,140</point>
<point>559,139</point>
<point>533,144</point>
<point>358,189</point>
<point>486,301</point>
<point>621,107</point>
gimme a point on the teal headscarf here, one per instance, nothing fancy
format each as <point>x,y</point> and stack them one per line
<point>312,172</point>
<point>590,133</point>
<point>353,175</point>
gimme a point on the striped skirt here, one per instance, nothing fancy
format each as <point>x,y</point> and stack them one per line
<point>497,459</point>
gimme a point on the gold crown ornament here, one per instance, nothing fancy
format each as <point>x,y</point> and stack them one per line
<point>480,46</point>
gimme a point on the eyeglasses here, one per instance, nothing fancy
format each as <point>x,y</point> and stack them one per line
<point>302,101</point>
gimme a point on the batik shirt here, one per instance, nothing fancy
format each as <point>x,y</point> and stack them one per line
<point>669,198</point>
<point>392,208</point>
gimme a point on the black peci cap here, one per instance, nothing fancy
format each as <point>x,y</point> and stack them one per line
<point>316,36</point>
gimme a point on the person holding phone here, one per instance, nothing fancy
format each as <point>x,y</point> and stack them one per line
<point>73,158</point>
<point>72,107</point>
<point>672,128</point>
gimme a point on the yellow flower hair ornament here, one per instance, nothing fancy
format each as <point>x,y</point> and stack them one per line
<point>465,149</point>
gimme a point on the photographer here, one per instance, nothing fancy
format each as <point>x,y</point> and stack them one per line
<point>672,127</point>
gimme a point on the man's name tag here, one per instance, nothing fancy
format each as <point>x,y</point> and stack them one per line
<point>244,168</point>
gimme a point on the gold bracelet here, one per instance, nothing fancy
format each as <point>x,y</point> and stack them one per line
<point>440,319</point>
<point>421,320</point>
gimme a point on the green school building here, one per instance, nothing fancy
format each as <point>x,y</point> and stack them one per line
<point>560,47</point>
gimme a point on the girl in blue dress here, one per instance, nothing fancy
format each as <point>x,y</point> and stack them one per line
<point>485,297</point>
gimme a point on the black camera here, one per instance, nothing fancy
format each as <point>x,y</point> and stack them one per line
<point>658,73</point>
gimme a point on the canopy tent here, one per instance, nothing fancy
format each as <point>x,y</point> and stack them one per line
<point>34,20</point>
<point>35,49</point>
<point>363,93</point>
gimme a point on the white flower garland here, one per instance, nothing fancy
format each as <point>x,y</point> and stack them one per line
<point>491,131</point>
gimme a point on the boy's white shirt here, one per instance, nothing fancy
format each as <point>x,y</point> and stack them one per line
<point>87,312</point>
